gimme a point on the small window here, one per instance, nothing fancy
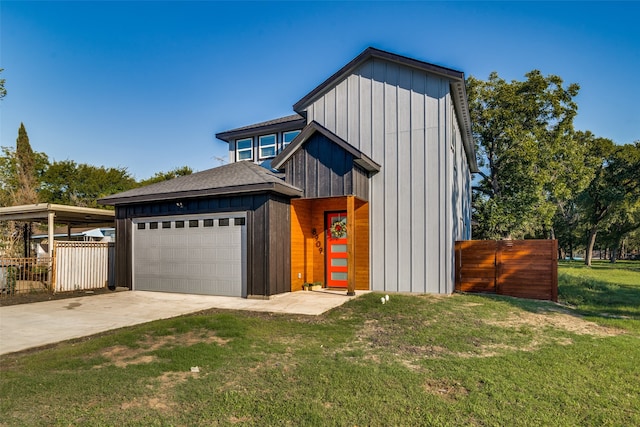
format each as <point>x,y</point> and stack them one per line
<point>223,222</point>
<point>244,149</point>
<point>287,137</point>
<point>166,224</point>
<point>238,221</point>
<point>208,223</point>
<point>141,226</point>
<point>179,224</point>
<point>193,223</point>
<point>153,226</point>
<point>267,145</point>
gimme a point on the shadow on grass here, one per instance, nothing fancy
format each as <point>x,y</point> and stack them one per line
<point>585,297</point>
<point>593,297</point>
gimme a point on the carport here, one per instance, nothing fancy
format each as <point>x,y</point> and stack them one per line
<point>72,216</point>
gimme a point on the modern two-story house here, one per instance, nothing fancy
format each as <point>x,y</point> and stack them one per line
<point>366,186</point>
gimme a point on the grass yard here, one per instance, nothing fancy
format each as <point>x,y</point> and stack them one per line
<point>417,360</point>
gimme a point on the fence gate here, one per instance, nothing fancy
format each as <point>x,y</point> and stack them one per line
<point>518,268</point>
<point>83,265</point>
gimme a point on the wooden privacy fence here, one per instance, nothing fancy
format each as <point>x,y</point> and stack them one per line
<point>83,265</point>
<point>518,268</point>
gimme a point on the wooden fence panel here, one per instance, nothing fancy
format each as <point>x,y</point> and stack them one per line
<point>521,268</point>
<point>83,265</point>
<point>476,265</point>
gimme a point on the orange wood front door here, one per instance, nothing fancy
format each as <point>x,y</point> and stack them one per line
<point>336,249</point>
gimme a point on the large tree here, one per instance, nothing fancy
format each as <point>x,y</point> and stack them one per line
<point>69,183</point>
<point>524,136</point>
<point>25,170</point>
<point>165,176</point>
<point>613,191</point>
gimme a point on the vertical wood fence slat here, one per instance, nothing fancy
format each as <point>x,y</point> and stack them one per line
<point>83,265</point>
<point>519,268</point>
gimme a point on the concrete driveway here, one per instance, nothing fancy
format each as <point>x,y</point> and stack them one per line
<point>28,326</point>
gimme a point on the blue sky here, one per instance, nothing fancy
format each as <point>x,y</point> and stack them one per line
<point>146,85</point>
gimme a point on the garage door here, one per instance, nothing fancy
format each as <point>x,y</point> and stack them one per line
<point>191,254</point>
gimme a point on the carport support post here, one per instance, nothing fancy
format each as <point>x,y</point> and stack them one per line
<point>50,224</point>
<point>51,218</point>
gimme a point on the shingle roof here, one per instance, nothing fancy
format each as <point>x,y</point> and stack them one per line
<point>295,120</point>
<point>240,177</point>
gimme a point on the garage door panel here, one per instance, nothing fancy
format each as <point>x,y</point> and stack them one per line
<point>200,260</point>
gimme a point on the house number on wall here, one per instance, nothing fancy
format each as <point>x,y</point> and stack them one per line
<point>314,233</point>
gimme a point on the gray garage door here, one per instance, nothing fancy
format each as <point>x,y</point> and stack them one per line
<point>191,254</point>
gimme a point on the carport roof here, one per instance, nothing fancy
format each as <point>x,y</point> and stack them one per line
<point>72,215</point>
<point>234,178</point>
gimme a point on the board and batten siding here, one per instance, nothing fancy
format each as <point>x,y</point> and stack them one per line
<point>403,118</point>
<point>323,169</point>
<point>268,231</point>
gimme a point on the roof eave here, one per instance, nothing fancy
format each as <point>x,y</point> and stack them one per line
<point>273,187</point>
<point>460,103</point>
<point>230,135</point>
<point>367,54</point>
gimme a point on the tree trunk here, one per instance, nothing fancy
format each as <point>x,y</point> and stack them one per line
<point>590,243</point>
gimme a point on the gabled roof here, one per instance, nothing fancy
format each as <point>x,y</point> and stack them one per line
<point>294,121</point>
<point>234,178</point>
<point>456,79</point>
<point>359,158</point>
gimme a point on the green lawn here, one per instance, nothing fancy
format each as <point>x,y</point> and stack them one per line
<point>417,360</point>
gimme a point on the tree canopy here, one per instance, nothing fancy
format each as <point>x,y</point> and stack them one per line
<point>523,131</point>
<point>539,177</point>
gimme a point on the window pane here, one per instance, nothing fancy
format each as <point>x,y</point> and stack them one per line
<point>338,262</point>
<point>141,225</point>
<point>153,226</point>
<point>243,143</point>
<point>244,155</point>
<point>338,248</point>
<point>238,221</point>
<point>179,224</point>
<point>287,137</point>
<point>268,152</point>
<point>336,275</point>
<point>223,222</point>
<point>166,224</point>
<point>267,140</point>
<point>193,223</point>
<point>208,223</point>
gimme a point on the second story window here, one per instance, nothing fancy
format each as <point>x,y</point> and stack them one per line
<point>267,144</point>
<point>244,149</point>
<point>287,137</point>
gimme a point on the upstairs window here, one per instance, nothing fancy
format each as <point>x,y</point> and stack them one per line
<point>267,145</point>
<point>287,137</point>
<point>244,149</point>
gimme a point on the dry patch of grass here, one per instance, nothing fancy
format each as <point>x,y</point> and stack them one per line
<point>559,320</point>
<point>123,356</point>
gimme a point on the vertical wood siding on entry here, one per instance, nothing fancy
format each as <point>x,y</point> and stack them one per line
<point>401,118</point>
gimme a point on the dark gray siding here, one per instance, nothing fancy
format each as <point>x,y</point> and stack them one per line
<point>321,168</point>
<point>268,236</point>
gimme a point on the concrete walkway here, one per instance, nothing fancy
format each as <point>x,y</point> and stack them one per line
<point>27,326</point>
